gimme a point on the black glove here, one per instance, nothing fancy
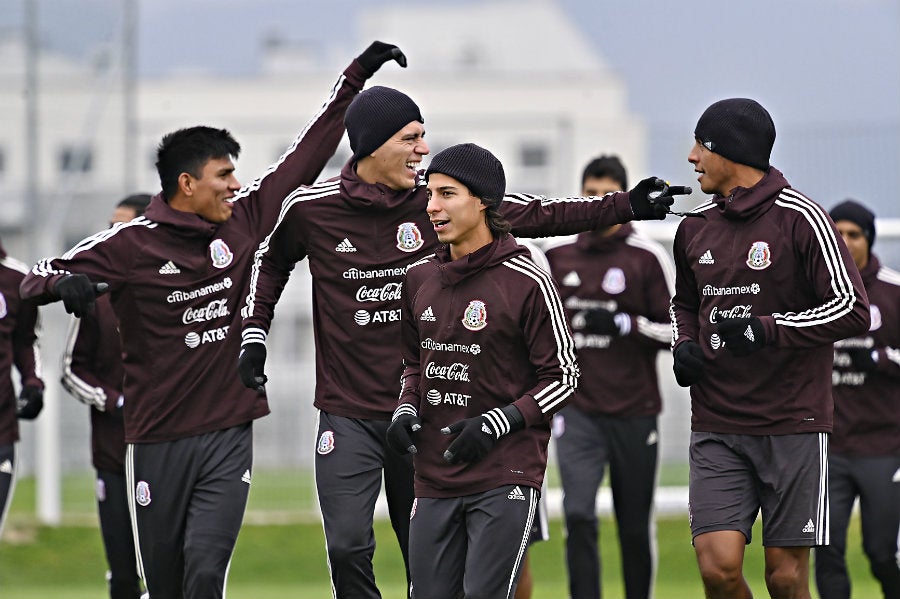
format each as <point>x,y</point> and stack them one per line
<point>862,358</point>
<point>78,293</point>
<point>30,402</point>
<point>379,53</point>
<point>651,198</point>
<point>404,422</point>
<point>599,321</point>
<point>251,366</point>
<point>477,435</point>
<point>689,365</point>
<point>742,336</point>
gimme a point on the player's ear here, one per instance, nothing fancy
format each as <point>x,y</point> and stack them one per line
<point>186,184</point>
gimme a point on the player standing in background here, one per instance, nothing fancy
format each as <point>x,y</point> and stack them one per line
<point>176,277</point>
<point>488,359</point>
<point>763,288</point>
<point>360,231</point>
<point>616,285</point>
<point>864,449</point>
<point>92,372</point>
<point>19,348</point>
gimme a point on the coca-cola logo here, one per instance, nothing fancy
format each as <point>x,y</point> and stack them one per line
<point>451,372</point>
<point>739,311</point>
<point>391,291</point>
<point>213,310</point>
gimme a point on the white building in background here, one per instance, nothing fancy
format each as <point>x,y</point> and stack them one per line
<point>543,104</point>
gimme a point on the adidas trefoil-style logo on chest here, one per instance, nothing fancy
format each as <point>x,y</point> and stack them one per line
<point>707,258</point>
<point>428,315</point>
<point>345,246</point>
<point>572,280</point>
<point>169,268</point>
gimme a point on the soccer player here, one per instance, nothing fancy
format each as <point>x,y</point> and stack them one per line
<point>488,359</point>
<point>360,231</point>
<point>764,286</point>
<point>864,450</point>
<point>18,347</point>
<point>92,373</point>
<point>176,276</point>
<point>616,285</point>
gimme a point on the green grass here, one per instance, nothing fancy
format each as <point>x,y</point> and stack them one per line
<point>276,561</point>
<point>285,556</point>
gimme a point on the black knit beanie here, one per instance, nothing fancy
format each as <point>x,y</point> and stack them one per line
<point>474,167</point>
<point>375,115</point>
<point>739,129</point>
<point>857,214</point>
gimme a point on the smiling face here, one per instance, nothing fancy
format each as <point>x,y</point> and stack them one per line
<point>457,216</point>
<point>209,195</point>
<point>396,162</point>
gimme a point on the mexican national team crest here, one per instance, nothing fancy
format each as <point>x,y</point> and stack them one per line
<point>326,443</point>
<point>409,238</point>
<point>2,306</point>
<point>614,281</point>
<point>475,316</point>
<point>759,256</point>
<point>220,253</point>
<point>875,316</point>
<point>142,493</point>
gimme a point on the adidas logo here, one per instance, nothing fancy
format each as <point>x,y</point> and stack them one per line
<point>749,334</point>
<point>809,528</point>
<point>345,246</point>
<point>896,478</point>
<point>652,438</point>
<point>571,280</point>
<point>169,268</point>
<point>706,258</point>
<point>428,315</point>
<point>516,494</point>
<point>246,476</point>
<point>6,467</point>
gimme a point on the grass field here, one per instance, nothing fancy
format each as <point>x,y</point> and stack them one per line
<point>288,561</point>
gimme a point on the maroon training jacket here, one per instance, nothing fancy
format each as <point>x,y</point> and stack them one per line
<point>176,282</point>
<point>623,272</point>
<point>478,333</point>
<point>769,252</point>
<point>867,404</point>
<point>18,344</point>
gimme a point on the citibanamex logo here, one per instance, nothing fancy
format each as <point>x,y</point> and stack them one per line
<point>391,291</point>
<point>215,309</point>
<point>433,396</point>
<point>453,372</point>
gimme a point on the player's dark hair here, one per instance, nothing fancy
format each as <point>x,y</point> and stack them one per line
<point>137,202</point>
<point>498,225</point>
<point>606,166</point>
<point>188,150</point>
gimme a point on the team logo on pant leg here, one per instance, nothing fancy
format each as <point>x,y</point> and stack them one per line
<point>100,489</point>
<point>759,256</point>
<point>142,493</point>
<point>326,443</point>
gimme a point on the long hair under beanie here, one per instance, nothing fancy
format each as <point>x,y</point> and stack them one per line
<point>857,214</point>
<point>375,115</point>
<point>739,129</point>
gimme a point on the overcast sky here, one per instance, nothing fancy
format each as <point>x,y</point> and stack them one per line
<point>815,64</point>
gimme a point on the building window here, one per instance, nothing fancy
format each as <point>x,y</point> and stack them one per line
<point>76,159</point>
<point>533,155</point>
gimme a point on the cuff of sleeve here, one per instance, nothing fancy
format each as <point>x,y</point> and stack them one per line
<point>771,330</point>
<point>356,74</point>
<point>530,410</point>
<point>622,206</point>
<point>404,408</point>
<point>253,335</point>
